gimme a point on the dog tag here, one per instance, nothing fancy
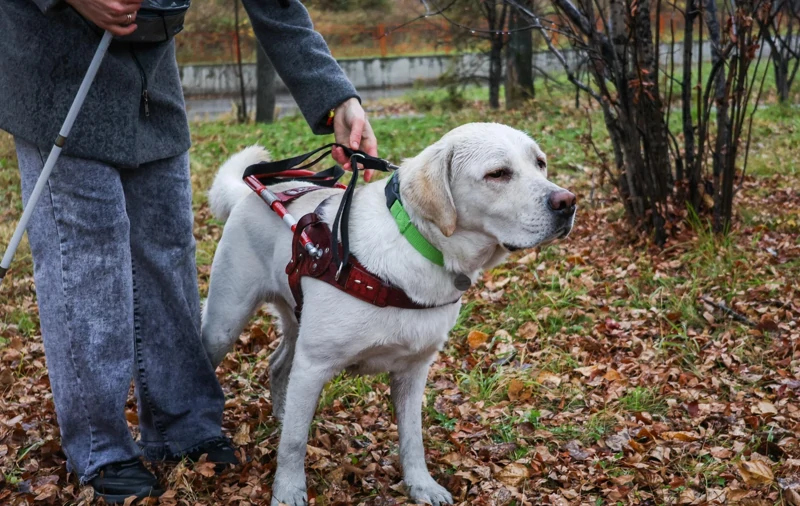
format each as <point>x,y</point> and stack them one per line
<point>462,282</point>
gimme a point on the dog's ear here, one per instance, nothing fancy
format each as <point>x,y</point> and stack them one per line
<point>427,188</point>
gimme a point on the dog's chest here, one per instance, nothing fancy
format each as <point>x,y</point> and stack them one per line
<point>402,340</point>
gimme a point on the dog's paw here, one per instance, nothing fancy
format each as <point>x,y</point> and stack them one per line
<point>289,494</point>
<point>429,492</point>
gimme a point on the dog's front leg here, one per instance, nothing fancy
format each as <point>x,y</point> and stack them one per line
<point>305,384</point>
<point>408,387</point>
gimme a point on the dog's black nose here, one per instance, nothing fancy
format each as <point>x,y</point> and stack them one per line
<point>562,202</point>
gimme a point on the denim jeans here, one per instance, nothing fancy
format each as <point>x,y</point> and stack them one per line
<point>116,283</point>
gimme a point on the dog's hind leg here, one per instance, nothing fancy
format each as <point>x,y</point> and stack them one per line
<point>408,387</point>
<point>280,362</point>
<point>234,295</point>
<point>305,384</point>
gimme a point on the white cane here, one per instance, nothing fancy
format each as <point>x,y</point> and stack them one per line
<point>54,154</point>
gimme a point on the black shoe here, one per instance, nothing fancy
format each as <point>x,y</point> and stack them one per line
<point>220,452</point>
<point>120,480</point>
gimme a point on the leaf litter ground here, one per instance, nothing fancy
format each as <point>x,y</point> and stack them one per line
<point>599,370</point>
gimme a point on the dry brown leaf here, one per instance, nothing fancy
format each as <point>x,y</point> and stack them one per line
<point>476,338</point>
<point>205,468</point>
<point>242,436</point>
<point>528,330</point>
<point>132,417</point>
<point>591,370</point>
<point>452,458</point>
<point>755,472</point>
<point>513,475</point>
<point>514,388</point>
<point>637,447</point>
<point>612,375</point>
<point>548,379</point>
<point>576,451</point>
<point>570,493</point>
<point>687,496</point>
<point>687,437</point>
<point>792,497</point>
<point>618,441</point>
<point>718,452</point>
<point>764,408</point>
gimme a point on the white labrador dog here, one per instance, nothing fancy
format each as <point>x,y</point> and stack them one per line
<point>476,194</point>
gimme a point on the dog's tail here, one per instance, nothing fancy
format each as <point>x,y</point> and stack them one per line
<point>228,187</point>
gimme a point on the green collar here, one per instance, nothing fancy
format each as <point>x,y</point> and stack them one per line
<point>407,229</point>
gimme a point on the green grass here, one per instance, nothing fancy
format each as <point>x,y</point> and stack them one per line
<point>586,285</point>
<point>643,399</point>
<point>352,390</point>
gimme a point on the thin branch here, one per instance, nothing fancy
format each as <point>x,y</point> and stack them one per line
<point>730,312</point>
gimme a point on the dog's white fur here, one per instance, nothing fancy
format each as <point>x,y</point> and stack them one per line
<point>466,214</point>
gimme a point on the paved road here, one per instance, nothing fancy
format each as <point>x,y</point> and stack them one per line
<point>209,109</point>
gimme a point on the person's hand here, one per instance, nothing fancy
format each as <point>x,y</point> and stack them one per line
<point>351,128</point>
<point>116,16</point>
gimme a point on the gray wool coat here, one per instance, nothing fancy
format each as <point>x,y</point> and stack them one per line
<point>45,50</point>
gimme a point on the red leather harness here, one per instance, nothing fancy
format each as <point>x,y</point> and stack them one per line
<point>316,250</point>
<point>354,279</point>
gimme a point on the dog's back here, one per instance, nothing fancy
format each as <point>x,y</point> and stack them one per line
<point>228,187</point>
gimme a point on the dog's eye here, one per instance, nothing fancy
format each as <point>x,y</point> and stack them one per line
<point>541,163</point>
<point>498,174</point>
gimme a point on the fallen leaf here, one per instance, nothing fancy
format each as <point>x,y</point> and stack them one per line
<point>618,441</point>
<point>242,436</point>
<point>548,379</point>
<point>576,451</point>
<point>528,330</point>
<point>755,472</point>
<point>612,375</point>
<point>205,468</point>
<point>719,452</point>
<point>687,437</point>
<point>764,408</point>
<point>513,475</point>
<point>476,338</point>
<point>514,388</point>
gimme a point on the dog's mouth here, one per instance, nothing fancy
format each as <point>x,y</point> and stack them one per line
<point>558,234</point>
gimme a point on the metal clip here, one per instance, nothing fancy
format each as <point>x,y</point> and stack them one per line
<point>339,271</point>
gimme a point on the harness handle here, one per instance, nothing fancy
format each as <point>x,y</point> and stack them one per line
<point>289,169</point>
<point>274,168</point>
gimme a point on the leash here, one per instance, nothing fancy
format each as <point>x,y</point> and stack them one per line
<point>263,174</point>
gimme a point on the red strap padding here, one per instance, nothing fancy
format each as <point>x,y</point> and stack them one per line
<point>354,279</point>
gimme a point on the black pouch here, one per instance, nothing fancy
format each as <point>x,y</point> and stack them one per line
<point>158,21</point>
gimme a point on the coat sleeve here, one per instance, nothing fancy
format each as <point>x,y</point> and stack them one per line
<point>302,59</point>
<point>47,6</point>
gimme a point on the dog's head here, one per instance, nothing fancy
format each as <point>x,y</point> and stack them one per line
<point>490,179</point>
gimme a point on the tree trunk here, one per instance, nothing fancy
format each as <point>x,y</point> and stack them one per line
<point>265,87</point>
<point>496,23</point>
<point>241,113</point>
<point>495,71</point>
<point>686,107</point>
<point>519,62</point>
<point>722,147</point>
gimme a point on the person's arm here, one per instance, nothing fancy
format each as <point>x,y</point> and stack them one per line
<point>301,58</point>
